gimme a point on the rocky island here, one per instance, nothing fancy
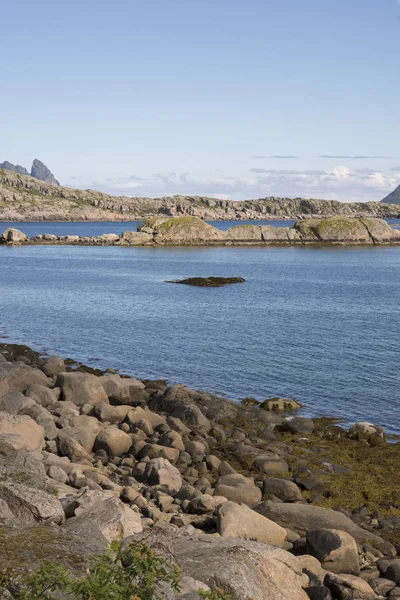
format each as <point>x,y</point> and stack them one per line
<point>192,231</point>
<point>25,198</point>
<point>241,500</point>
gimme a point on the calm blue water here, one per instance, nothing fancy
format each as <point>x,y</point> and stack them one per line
<point>321,325</point>
<point>85,228</point>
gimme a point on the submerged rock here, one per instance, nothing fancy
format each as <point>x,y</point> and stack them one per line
<point>209,281</point>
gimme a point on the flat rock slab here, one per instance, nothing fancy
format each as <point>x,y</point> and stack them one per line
<point>209,281</point>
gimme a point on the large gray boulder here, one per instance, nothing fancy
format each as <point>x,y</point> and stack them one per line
<point>241,522</point>
<point>303,517</point>
<point>14,402</point>
<point>123,390</point>
<point>113,441</point>
<point>26,494</point>
<point>238,488</point>
<point>160,472</point>
<point>81,388</point>
<point>287,491</point>
<point>113,518</point>
<point>53,366</point>
<point>20,433</point>
<point>41,395</point>
<point>83,429</point>
<point>18,376</point>
<point>24,548</point>
<point>336,550</point>
<point>242,568</point>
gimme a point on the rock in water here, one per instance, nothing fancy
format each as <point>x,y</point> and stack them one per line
<point>209,281</point>
<point>41,172</point>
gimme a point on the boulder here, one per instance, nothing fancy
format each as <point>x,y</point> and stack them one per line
<point>201,505</point>
<point>270,463</point>
<point>242,568</point>
<point>238,488</point>
<point>336,550</point>
<point>24,548</point>
<point>123,390</point>
<point>287,491</point>
<point>319,592</point>
<point>368,432</point>
<point>344,230</point>
<point>20,433</point>
<point>244,233</point>
<point>181,231</point>
<point>136,238</point>
<point>160,472</point>
<point>297,425</point>
<point>172,439</point>
<point>41,395</point>
<point>303,517</point>
<point>42,417</point>
<point>83,429</point>
<point>13,402</point>
<point>81,388</point>
<point>13,236</point>
<point>349,587</point>
<point>279,404</point>
<point>24,501</point>
<point>156,451</point>
<point>114,519</point>
<point>18,376</point>
<point>113,441</point>
<point>240,521</point>
<point>312,568</point>
<point>53,366</point>
<point>106,412</point>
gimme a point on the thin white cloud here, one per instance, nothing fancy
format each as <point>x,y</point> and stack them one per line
<point>338,183</point>
<point>350,157</point>
<point>278,156</point>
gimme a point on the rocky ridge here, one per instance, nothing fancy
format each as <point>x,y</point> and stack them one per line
<point>24,198</point>
<point>192,231</point>
<point>393,197</point>
<point>231,493</point>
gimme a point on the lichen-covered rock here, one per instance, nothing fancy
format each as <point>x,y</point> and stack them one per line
<point>181,231</point>
<point>333,230</point>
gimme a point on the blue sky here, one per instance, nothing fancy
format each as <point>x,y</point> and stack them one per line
<point>230,98</point>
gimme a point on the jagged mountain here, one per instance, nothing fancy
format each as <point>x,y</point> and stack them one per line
<point>14,168</point>
<point>43,173</point>
<point>393,198</point>
<point>24,198</point>
<point>38,171</point>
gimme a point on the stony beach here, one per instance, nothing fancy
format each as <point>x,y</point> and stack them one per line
<point>250,498</point>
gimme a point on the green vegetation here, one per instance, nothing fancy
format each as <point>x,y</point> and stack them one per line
<point>134,573</point>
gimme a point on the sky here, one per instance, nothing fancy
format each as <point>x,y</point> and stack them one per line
<point>227,98</point>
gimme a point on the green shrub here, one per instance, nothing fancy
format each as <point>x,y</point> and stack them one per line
<point>131,574</point>
<point>134,573</point>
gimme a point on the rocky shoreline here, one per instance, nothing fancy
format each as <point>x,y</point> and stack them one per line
<point>24,198</point>
<point>192,231</point>
<point>247,497</point>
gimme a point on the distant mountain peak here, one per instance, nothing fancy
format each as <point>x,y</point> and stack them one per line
<point>393,198</point>
<point>14,168</point>
<point>43,173</point>
<point>38,171</point>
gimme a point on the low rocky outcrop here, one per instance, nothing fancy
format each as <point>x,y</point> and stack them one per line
<point>192,231</point>
<point>209,281</point>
